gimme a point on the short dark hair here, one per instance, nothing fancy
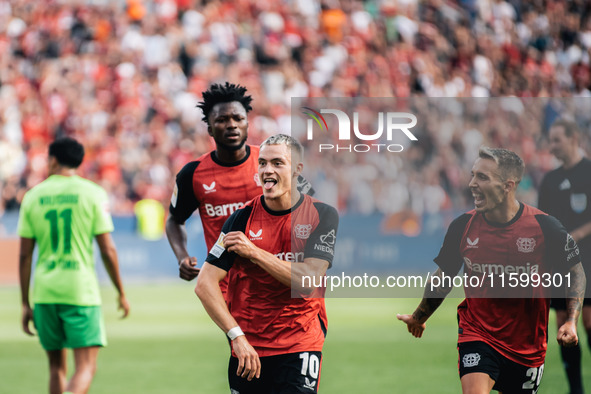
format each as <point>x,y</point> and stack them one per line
<point>510,165</point>
<point>227,93</point>
<point>571,129</point>
<point>67,151</point>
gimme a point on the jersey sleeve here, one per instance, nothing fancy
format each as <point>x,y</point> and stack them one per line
<point>304,186</point>
<point>25,229</point>
<point>103,222</point>
<point>322,241</point>
<point>183,201</point>
<point>561,249</point>
<point>218,255</point>
<point>449,258</point>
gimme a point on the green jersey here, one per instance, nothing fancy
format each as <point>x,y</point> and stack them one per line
<point>64,214</point>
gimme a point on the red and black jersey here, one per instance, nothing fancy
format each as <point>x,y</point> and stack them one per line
<point>217,189</point>
<point>273,321</point>
<point>531,242</point>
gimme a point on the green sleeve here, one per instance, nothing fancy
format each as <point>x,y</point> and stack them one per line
<point>103,222</point>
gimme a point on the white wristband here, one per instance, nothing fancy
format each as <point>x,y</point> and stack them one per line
<point>234,333</point>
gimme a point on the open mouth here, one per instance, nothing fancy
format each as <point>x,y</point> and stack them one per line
<point>478,198</point>
<point>269,183</point>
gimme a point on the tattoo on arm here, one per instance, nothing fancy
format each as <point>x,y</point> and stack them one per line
<point>432,299</point>
<point>575,293</point>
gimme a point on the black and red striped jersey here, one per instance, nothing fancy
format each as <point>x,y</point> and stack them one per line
<point>532,242</point>
<point>217,189</point>
<point>273,321</point>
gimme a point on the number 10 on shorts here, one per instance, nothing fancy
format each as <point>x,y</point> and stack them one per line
<point>310,365</point>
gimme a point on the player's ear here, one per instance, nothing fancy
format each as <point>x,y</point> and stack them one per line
<point>298,169</point>
<point>209,130</point>
<point>510,185</point>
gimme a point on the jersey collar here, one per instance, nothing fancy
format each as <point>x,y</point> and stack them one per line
<point>284,212</point>
<point>510,222</point>
<point>233,164</point>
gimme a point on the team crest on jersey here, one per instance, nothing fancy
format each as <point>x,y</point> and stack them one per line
<point>472,244</point>
<point>302,231</point>
<point>526,245</point>
<point>257,180</point>
<point>471,360</point>
<point>255,236</point>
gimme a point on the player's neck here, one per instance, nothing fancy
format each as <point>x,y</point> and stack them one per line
<point>504,213</point>
<point>63,171</point>
<point>570,162</point>
<point>230,156</point>
<point>284,202</point>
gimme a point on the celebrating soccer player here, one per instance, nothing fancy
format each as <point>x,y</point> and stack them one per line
<point>502,341</point>
<point>62,215</point>
<point>218,182</point>
<point>268,246</point>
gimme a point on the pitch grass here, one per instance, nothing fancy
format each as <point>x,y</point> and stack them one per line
<point>169,345</point>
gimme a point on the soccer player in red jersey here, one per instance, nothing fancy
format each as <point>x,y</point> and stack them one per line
<point>502,341</point>
<point>218,182</point>
<point>276,320</point>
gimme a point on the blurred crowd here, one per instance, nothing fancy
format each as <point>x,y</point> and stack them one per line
<point>124,77</point>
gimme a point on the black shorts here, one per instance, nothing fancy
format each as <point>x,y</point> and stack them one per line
<point>510,377</point>
<point>291,373</point>
<point>559,304</point>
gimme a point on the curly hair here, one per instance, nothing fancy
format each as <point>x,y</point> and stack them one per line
<point>227,93</point>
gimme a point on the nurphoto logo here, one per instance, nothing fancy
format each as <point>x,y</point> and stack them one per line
<point>389,123</point>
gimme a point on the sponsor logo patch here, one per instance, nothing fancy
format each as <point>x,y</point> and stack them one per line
<point>209,188</point>
<point>472,244</point>
<point>309,384</point>
<point>218,248</point>
<point>255,236</point>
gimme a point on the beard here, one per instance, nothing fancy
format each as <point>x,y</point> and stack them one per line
<point>233,148</point>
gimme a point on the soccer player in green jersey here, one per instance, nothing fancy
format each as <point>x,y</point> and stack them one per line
<point>63,214</point>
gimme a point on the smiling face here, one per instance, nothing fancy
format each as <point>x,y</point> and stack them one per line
<point>487,187</point>
<point>277,175</point>
<point>228,125</point>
